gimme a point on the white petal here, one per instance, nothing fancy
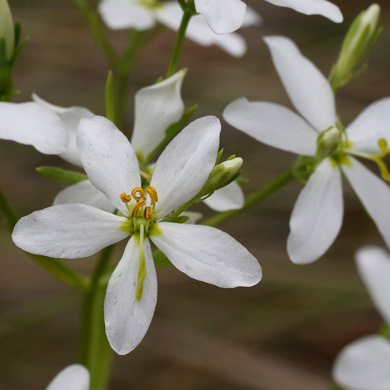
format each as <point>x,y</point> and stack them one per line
<point>68,231</point>
<point>312,7</point>
<point>85,193</point>
<point>156,108</point>
<point>127,319</point>
<point>70,117</point>
<point>374,268</point>
<point>31,124</point>
<point>273,125</point>
<point>373,192</point>
<point>108,158</point>
<point>223,16</point>
<point>74,377</point>
<point>193,217</point>
<point>317,215</point>
<point>230,197</point>
<point>208,254</point>
<point>371,125</point>
<point>252,18</point>
<point>184,166</point>
<point>364,365</point>
<point>123,14</point>
<point>199,31</point>
<point>308,89</point>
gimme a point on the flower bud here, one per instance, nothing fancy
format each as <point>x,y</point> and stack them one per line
<point>7,32</point>
<point>222,175</point>
<point>359,40</point>
<point>328,141</point>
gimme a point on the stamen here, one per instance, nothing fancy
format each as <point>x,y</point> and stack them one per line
<point>138,193</point>
<point>153,194</point>
<point>125,198</point>
<point>382,144</point>
<point>140,203</point>
<point>148,213</point>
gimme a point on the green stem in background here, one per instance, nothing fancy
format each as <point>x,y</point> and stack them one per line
<point>55,267</point>
<point>179,42</point>
<point>96,353</point>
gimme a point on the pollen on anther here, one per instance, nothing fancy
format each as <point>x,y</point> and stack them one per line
<point>153,194</point>
<point>125,198</point>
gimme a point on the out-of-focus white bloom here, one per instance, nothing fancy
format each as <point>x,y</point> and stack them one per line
<point>7,31</point>
<point>74,377</point>
<point>318,212</point>
<point>76,230</point>
<point>364,364</point>
<point>31,124</point>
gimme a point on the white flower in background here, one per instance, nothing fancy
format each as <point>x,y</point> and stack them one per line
<point>77,230</point>
<point>226,16</point>
<point>318,212</point>
<point>142,15</point>
<point>31,124</point>
<point>364,364</point>
<point>74,377</point>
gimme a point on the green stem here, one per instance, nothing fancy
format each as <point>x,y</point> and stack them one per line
<point>122,87</point>
<point>96,353</point>
<point>55,267</point>
<point>254,198</point>
<point>179,42</point>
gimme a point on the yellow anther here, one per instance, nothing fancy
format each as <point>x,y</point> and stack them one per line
<point>140,203</point>
<point>148,213</point>
<point>125,198</point>
<point>153,194</point>
<point>382,144</point>
<point>138,193</point>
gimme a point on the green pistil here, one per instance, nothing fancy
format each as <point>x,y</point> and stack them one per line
<point>142,265</point>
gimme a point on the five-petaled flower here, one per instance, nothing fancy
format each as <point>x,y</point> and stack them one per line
<point>364,364</point>
<point>318,212</point>
<point>77,230</point>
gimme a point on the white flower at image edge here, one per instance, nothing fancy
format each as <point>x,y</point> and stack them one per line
<point>156,108</point>
<point>74,377</point>
<point>76,230</point>
<point>364,364</point>
<point>317,215</point>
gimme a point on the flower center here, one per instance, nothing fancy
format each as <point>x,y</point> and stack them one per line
<point>145,205</point>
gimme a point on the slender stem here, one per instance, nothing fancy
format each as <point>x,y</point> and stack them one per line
<point>96,353</point>
<point>254,198</point>
<point>55,267</point>
<point>122,87</point>
<point>179,43</point>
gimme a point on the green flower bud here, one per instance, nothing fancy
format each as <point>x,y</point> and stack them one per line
<point>7,31</point>
<point>222,175</point>
<point>359,40</point>
<point>328,141</point>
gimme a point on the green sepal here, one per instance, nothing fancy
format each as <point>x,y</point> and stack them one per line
<point>61,174</point>
<point>181,219</point>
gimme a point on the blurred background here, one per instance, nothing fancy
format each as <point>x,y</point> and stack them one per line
<point>282,334</point>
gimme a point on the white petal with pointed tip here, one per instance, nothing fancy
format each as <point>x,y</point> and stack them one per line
<point>308,89</point>
<point>108,158</point>
<point>273,125</point>
<point>184,166</point>
<point>208,254</point>
<point>127,319</point>
<point>71,118</point>
<point>74,377</point>
<point>124,14</point>
<point>230,197</point>
<point>317,215</point>
<point>312,7</point>
<point>374,268</point>
<point>252,18</point>
<point>199,31</point>
<point>31,124</point>
<point>373,192</point>
<point>364,365</point>
<point>371,125</point>
<point>68,231</point>
<point>156,108</point>
<point>223,16</point>
<point>85,193</point>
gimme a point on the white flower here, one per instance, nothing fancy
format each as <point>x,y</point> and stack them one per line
<point>74,377</point>
<point>31,124</point>
<point>318,212</point>
<point>76,230</point>
<point>364,364</point>
<point>141,15</point>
